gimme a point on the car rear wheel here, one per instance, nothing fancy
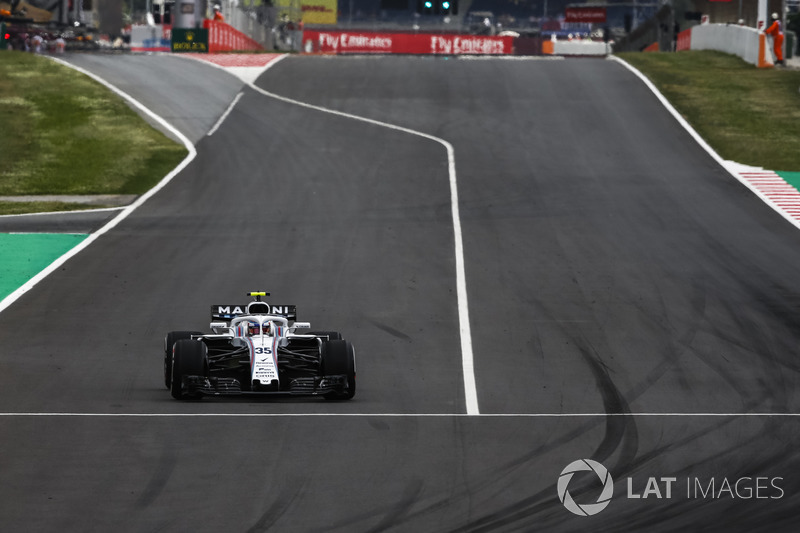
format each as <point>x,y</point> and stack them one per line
<point>339,358</point>
<point>188,359</point>
<point>169,341</point>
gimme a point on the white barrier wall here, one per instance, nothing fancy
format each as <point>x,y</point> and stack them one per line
<point>580,48</point>
<point>732,39</point>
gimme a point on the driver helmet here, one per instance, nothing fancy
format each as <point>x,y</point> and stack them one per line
<point>254,329</point>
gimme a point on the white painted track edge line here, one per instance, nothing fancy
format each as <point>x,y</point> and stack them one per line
<point>14,296</point>
<point>227,112</point>
<point>64,213</point>
<point>467,358</point>
<point>703,144</point>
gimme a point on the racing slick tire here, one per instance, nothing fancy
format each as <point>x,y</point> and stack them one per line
<point>189,358</point>
<point>339,357</point>
<point>332,335</point>
<point>169,341</point>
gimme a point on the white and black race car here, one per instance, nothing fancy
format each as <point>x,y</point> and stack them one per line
<point>255,350</point>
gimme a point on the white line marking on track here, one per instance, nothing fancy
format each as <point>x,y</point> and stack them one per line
<point>227,112</point>
<point>467,359</point>
<point>14,296</point>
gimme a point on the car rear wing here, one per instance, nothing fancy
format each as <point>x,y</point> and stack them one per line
<point>229,312</point>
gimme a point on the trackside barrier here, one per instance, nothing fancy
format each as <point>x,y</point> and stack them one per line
<point>742,41</point>
<point>151,38</point>
<point>356,42</point>
<point>765,58</point>
<point>528,45</point>
<point>684,40</point>
<point>225,38</point>
<point>582,47</point>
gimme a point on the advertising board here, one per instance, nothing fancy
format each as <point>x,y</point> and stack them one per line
<point>594,15</point>
<point>344,42</point>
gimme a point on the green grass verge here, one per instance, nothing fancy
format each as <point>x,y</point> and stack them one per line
<point>19,208</point>
<point>63,133</point>
<point>748,115</point>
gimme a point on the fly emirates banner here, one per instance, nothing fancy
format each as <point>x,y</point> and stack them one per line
<point>344,42</point>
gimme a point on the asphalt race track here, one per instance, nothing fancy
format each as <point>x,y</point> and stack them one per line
<point>630,303</point>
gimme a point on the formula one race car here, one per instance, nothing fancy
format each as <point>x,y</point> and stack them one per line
<point>254,350</point>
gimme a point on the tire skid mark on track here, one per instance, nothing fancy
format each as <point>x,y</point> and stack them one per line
<point>532,512</point>
<point>163,472</point>
<point>674,351</point>
<point>620,438</point>
<point>279,506</point>
<point>401,509</point>
<point>620,431</point>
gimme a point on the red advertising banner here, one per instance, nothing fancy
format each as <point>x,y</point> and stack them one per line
<point>344,42</point>
<point>225,38</point>
<point>585,14</point>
